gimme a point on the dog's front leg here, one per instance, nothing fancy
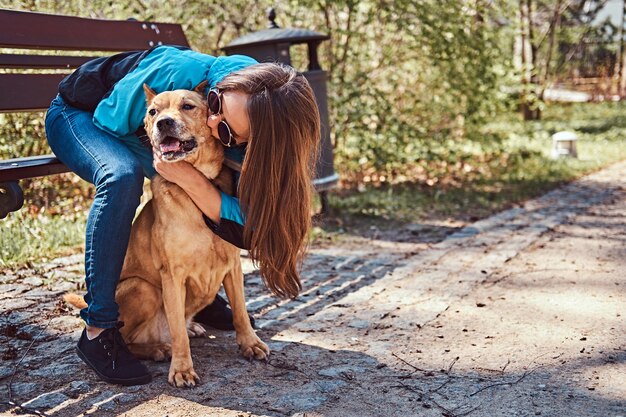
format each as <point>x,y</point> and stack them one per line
<point>250,344</point>
<point>181,369</point>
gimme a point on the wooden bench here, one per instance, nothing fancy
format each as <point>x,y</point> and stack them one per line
<point>29,81</point>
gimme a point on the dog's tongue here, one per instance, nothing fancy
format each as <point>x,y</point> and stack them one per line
<point>170,145</point>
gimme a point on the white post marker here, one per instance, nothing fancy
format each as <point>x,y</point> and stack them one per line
<point>564,144</point>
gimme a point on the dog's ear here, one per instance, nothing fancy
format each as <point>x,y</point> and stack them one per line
<point>201,87</point>
<point>150,93</point>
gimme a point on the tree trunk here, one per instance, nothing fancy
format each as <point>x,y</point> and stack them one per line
<point>528,99</point>
<point>524,100</point>
<point>621,77</point>
<point>535,111</point>
<point>554,24</point>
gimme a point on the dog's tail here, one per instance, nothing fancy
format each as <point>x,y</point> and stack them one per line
<point>74,299</point>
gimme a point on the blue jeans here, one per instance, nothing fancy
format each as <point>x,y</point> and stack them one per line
<point>116,166</point>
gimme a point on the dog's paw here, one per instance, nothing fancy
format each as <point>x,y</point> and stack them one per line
<point>252,347</point>
<point>195,330</point>
<point>179,379</point>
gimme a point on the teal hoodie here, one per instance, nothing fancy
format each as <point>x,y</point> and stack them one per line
<point>165,68</point>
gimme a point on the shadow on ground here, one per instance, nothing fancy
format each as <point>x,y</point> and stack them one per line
<point>330,363</point>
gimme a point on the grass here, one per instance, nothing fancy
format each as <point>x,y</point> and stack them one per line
<point>511,166</point>
<point>511,169</point>
<point>26,238</point>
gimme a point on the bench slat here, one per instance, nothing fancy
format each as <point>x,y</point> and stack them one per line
<point>29,167</point>
<point>44,31</point>
<point>42,61</point>
<point>28,92</point>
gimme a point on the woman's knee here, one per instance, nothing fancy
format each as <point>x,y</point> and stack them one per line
<point>125,178</point>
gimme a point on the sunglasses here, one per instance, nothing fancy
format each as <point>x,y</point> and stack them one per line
<point>214,101</point>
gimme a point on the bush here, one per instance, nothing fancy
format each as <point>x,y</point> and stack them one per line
<point>408,81</point>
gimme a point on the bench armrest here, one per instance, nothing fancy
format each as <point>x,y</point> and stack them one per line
<point>29,167</point>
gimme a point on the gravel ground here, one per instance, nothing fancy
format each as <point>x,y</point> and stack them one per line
<point>519,314</point>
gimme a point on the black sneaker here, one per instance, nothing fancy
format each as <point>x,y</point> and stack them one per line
<point>108,355</point>
<point>218,315</point>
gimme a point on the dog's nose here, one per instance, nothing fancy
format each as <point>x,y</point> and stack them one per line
<point>165,122</point>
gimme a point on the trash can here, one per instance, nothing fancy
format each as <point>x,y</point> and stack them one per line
<point>272,45</point>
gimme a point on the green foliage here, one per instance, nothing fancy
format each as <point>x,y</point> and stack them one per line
<point>23,135</point>
<point>419,98</point>
<point>26,237</point>
<point>26,133</point>
<point>406,78</point>
<point>514,164</point>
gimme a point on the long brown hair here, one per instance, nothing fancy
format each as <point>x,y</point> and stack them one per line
<point>275,188</point>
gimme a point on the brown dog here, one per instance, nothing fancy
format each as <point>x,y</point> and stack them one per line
<point>175,265</point>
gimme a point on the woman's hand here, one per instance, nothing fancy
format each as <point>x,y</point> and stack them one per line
<point>181,173</point>
<point>203,193</point>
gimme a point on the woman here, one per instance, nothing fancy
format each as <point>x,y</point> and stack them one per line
<point>266,115</point>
